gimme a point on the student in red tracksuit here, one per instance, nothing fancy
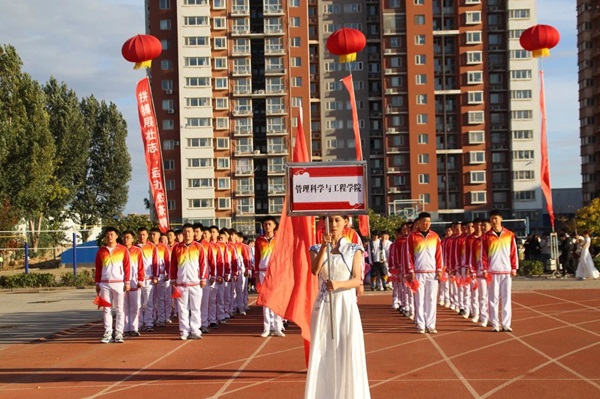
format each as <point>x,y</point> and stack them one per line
<point>210,252</point>
<point>500,258</point>
<point>425,265</point>
<point>444,297</point>
<point>133,296</point>
<point>112,281</point>
<point>162,296</point>
<point>263,251</point>
<point>479,306</point>
<point>150,258</point>
<point>189,272</point>
<point>217,276</point>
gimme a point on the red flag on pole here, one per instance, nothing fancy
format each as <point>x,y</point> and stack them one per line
<point>546,188</point>
<point>363,220</point>
<point>154,163</point>
<point>290,288</point>
<point>101,302</point>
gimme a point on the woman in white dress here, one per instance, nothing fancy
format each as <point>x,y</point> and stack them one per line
<point>585,267</point>
<point>337,366</point>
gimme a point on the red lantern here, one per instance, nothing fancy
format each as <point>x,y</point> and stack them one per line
<point>346,42</point>
<point>141,49</point>
<point>539,39</point>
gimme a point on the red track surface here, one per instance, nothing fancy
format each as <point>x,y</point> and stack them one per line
<point>554,352</point>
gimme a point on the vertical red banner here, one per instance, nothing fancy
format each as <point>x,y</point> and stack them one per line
<point>363,220</point>
<point>546,187</point>
<point>152,151</point>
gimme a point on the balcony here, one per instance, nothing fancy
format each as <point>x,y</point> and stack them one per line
<point>242,111</point>
<point>240,30</point>
<point>276,110</point>
<point>242,90</point>
<point>243,70</point>
<point>243,131</point>
<point>273,30</point>
<point>273,9</point>
<point>240,10</point>
<point>244,171</point>
<point>243,150</point>
<point>276,170</point>
<point>276,131</point>
<point>274,70</point>
<point>393,170</point>
<point>274,50</point>
<point>240,51</point>
<point>392,130</point>
<point>392,71</point>
<point>244,191</point>
<point>278,189</point>
<point>278,150</point>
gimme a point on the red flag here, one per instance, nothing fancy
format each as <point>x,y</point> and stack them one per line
<point>488,278</point>
<point>176,294</point>
<point>154,163</point>
<point>414,285</point>
<point>546,188</point>
<point>101,302</point>
<point>475,285</point>
<point>363,220</point>
<point>290,288</point>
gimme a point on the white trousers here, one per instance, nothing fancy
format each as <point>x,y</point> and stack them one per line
<point>453,290</point>
<point>147,311</point>
<point>132,309</point>
<point>163,301</point>
<point>204,306</point>
<point>409,299</point>
<point>271,321</point>
<point>113,293</point>
<point>396,292</point>
<point>482,299</point>
<point>189,309</point>
<point>500,294</point>
<point>215,306</point>
<point>445,290</point>
<point>240,287</point>
<point>465,292</point>
<point>425,300</point>
<point>227,299</point>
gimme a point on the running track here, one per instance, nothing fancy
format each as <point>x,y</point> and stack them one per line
<point>554,352</point>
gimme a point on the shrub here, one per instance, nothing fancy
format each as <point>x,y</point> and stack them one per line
<point>30,280</point>
<point>531,268</point>
<point>82,279</point>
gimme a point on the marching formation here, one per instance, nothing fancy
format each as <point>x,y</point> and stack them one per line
<point>201,275</point>
<point>469,271</point>
<point>197,275</point>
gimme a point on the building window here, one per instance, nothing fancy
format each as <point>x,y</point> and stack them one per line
<point>520,74</point>
<point>421,79</point>
<point>519,14</point>
<point>422,119</point>
<point>164,4</point>
<point>221,83</point>
<point>296,42</point>
<point>476,137</point>
<point>474,77</point>
<point>425,198</point>
<point>165,65</point>
<point>424,178</point>
<point>168,124</point>
<point>475,97</point>
<point>245,205</point>
<point>519,54</point>
<point>419,19</point>
<point>222,143</point>
<point>221,103</point>
<point>419,40</point>
<point>420,59</point>
<point>474,57</point>
<point>218,4</point>
<point>219,23</point>
<point>165,24</point>
<point>200,183</point>
<point>220,43</point>
<point>523,155</point>
<point>421,99</point>
<point>296,62</point>
<point>199,142</point>
<point>223,183</point>
<point>477,177</point>
<point>423,138</point>
<point>200,163</point>
<point>169,164</point>
<point>476,117</point>
<point>478,197</point>
<point>522,134</point>
<point>224,203</point>
<point>172,205</point>
<point>196,21</point>
<point>423,158</point>
<point>522,114</point>
<point>473,18</point>
<point>476,157</point>
<point>220,62</point>
<point>170,184</point>
<point>201,203</point>
<point>168,145</point>
<point>296,81</point>
<point>524,195</point>
<point>222,163</point>
<point>222,123</point>
<point>523,175</point>
<point>474,37</point>
<point>521,94</point>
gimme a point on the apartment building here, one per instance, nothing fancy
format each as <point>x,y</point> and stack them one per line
<point>447,101</point>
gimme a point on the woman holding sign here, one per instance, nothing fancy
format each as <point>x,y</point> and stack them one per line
<point>337,365</point>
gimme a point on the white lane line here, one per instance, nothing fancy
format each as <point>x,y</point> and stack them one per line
<point>594,308</point>
<point>453,367</point>
<point>241,368</point>
<point>108,388</point>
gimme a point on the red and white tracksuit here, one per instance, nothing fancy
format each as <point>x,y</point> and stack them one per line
<point>133,297</point>
<point>112,271</point>
<point>150,259</point>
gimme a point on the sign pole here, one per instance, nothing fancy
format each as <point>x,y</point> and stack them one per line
<point>329,274</point>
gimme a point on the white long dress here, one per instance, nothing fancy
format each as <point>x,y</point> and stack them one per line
<point>585,267</point>
<point>337,367</point>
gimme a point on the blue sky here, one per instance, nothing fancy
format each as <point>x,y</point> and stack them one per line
<point>81,46</point>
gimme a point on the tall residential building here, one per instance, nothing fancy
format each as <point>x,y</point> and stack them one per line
<point>588,59</point>
<point>448,104</point>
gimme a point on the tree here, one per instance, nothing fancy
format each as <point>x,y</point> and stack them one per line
<point>132,222</point>
<point>588,217</point>
<point>28,163</point>
<point>382,223</point>
<point>103,195</point>
<point>72,144</point>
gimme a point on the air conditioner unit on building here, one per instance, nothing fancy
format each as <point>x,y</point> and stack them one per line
<point>168,91</point>
<point>257,152</point>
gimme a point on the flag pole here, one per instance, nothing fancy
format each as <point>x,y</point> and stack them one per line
<point>329,274</point>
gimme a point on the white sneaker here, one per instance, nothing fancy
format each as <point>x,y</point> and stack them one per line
<point>484,323</point>
<point>106,337</point>
<point>506,329</point>
<point>496,329</point>
<point>195,336</point>
<point>279,333</point>
<point>243,313</point>
<point>475,319</point>
<point>421,331</point>
<point>183,337</point>
<point>265,334</point>
<point>441,303</point>
<point>411,316</point>
<point>119,338</point>
<point>447,304</point>
<point>432,331</point>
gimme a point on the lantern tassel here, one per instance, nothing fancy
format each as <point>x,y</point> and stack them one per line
<point>542,52</point>
<point>348,57</point>
<point>143,64</point>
